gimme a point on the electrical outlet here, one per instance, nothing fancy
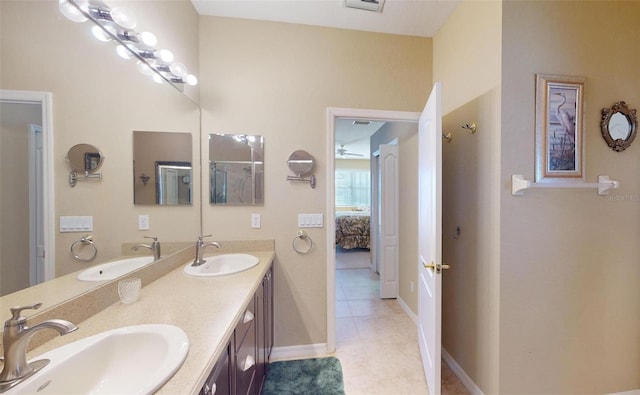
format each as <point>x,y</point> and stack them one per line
<point>255,221</point>
<point>143,222</point>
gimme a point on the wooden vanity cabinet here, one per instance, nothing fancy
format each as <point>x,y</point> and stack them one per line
<point>264,300</point>
<point>242,369</point>
<point>219,381</point>
<point>246,351</point>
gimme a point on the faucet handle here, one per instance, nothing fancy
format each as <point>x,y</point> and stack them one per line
<point>151,237</point>
<point>15,311</point>
<point>203,236</point>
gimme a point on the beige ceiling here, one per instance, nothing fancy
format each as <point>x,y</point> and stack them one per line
<point>407,17</point>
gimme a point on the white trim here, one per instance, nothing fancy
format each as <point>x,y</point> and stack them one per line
<point>461,374</point>
<point>407,310</point>
<point>45,100</point>
<point>298,352</point>
<point>332,114</point>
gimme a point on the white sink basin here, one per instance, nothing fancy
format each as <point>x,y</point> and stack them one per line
<point>129,360</point>
<point>221,265</point>
<point>114,269</point>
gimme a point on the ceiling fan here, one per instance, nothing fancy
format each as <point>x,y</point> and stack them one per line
<point>345,152</point>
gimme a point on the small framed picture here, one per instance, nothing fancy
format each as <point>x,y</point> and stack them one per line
<point>559,128</point>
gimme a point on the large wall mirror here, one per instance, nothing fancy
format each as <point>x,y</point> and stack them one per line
<point>162,170</point>
<point>236,169</point>
<point>99,98</point>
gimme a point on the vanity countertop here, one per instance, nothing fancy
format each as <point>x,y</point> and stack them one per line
<point>206,308</point>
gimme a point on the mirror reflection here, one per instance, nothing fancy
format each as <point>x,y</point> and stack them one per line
<point>236,169</point>
<point>619,126</point>
<point>84,158</point>
<point>162,170</point>
<point>173,182</point>
<point>95,96</point>
<point>301,163</point>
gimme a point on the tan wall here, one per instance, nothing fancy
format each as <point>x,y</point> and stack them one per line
<point>467,53</point>
<point>277,80</point>
<point>570,279</point>
<point>353,164</point>
<point>14,205</point>
<point>98,98</point>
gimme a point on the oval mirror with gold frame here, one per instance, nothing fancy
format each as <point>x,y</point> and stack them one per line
<point>619,126</point>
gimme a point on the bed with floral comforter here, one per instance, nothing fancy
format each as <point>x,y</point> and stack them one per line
<point>353,231</point>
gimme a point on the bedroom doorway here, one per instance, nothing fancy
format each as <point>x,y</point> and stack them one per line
<point>353,283</point>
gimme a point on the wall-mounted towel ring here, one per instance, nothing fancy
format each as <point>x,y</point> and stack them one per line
<point>302,235</point>
<point>84,240</point>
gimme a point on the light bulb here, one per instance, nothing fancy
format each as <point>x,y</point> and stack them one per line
<point>124,17</point>
<point>191,80</point>
<point>144,68</point>
<point>70,11</point>
<point>157,78</point>
<point>100,34</point>
<point>123,52</point>
<point>148,38</point>
<point>166,55</point>
<point>179,69</point>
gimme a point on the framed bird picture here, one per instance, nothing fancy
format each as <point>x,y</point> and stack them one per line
<point>560,151</point>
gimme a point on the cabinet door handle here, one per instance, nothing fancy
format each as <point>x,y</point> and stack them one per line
<point>214,387</point>
<point>249,362</point>
<point>248,317</point>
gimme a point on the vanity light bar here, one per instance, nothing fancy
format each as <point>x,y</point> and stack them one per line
<point>118,23</point>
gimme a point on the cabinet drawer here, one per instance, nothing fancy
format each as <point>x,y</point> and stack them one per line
<point>246,362</point>
<point>247,321</point>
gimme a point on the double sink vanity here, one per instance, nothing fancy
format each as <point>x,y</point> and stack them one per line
<point>194,329</point>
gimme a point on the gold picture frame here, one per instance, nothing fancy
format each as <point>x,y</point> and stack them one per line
<point>560,148</point>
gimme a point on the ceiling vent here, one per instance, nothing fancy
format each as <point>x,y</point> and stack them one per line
<point>369,5</point>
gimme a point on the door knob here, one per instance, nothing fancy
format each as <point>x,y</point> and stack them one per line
<point>437,267</point>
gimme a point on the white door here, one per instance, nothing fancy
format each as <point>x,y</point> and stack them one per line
<point>388,220</point>
<point>430,238</point>
<point>36,205</point>
<point>374,264</point>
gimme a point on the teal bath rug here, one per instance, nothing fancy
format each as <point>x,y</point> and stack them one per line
<point>315,376</point>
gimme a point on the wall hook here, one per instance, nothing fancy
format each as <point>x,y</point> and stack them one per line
<point>472,128</point>
<point>447,137</point>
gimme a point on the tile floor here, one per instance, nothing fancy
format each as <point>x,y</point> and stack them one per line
<point>376,341</point>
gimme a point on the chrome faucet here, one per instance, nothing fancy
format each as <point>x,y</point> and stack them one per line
<point>15,341</point>
<point>200,246</point>
<point>154,247</point>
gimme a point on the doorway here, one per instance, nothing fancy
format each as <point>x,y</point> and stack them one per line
<point>26,207</point>
<point>334,114</point>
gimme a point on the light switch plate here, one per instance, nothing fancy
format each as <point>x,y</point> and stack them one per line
<point>255,221</point>
<point>310,221</point>
<point>76,223</point>
<point>143,222</point>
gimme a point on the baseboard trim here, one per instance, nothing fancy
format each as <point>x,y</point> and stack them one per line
<point>297,352</point>
<point>461,374</point>
<point>407,310</point>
